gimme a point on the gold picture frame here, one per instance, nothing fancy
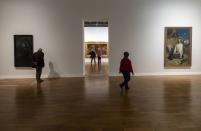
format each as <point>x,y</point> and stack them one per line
<point>96,45</point>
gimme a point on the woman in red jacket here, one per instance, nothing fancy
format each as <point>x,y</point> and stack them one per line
<point>125,69</point>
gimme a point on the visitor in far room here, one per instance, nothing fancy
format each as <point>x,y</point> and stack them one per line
<point>92,54</point>
<point>38,63</point>
<point>125,69</point>
<point>99,54</point>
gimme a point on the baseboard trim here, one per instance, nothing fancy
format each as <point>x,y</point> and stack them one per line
<point>111,75</point>
<point>17,77</point>
<point>169,74</point>
<point>162,74</point>
<point>43,76</point>
<point>72,75</point>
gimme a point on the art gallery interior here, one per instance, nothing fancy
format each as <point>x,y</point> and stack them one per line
<point>159,98</point>
<point>96,38</point>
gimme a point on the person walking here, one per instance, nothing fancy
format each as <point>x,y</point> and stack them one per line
<point>38,63</point>
<point>126,68</point>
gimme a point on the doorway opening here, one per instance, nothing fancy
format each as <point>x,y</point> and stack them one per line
<point>96,48</point>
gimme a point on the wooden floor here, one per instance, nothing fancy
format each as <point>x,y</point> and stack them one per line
<point>94,70</point>
<point>96,103</point>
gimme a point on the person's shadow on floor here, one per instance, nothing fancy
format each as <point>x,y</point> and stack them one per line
<point>53,74</point>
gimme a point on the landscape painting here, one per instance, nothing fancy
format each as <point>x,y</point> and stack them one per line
<point>178,46</point>
<point>23,50</point>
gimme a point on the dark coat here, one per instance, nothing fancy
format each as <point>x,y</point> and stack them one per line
<point>92,54</point>
<point>38,59</point>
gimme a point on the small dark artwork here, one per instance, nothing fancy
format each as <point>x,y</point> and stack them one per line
<point>23,49</point>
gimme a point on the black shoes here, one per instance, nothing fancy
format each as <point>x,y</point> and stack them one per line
<point>40,80</point>
<point>121,86</point>
<point>127,88</point>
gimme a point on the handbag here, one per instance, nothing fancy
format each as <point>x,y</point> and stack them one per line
<point>34,64</point>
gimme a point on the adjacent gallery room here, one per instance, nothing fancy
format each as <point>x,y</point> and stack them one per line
<point>161,37</point>
<point>96,40</point>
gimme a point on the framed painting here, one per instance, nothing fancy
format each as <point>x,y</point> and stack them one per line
<point>103,46</point>
<point>23,50</point>
<point>178,47</point>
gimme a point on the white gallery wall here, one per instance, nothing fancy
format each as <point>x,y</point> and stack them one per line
<point>96,34</point>
<point>136,26</point>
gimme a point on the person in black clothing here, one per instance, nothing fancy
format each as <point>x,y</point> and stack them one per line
<point>92,54</point>
<point>38,63</point>
<point>99,54</point>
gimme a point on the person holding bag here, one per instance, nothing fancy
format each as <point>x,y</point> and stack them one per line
<point>38,63</point>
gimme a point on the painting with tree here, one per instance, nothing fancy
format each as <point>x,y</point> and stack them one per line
<point>178,46</point>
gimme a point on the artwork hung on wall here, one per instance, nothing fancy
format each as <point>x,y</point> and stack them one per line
<point>103,46</point>
<point>178,46</point>
<point>23,50</point>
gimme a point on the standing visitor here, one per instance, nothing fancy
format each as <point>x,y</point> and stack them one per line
<point>99,54</point>
<point>92,54</point>
<point>38,63</point>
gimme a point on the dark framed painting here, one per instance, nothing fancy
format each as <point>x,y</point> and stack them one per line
<point>103,46</point>
<point>23,50</point>
<point>178,47</point>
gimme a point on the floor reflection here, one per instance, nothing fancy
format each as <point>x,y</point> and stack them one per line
<point>96,70</point>
<point>96,81</point>
<point>177,96</point>
<point>96,102</point>
<point>177,101</point>
<point>126,105</point>
<point>29,102</point>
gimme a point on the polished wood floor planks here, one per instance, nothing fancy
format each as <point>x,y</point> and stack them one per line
<point>96,103</point>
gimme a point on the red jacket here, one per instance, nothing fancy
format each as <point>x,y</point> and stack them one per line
<point>125,65</point>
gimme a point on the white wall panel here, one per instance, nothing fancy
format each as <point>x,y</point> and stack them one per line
<point>136,26</point>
